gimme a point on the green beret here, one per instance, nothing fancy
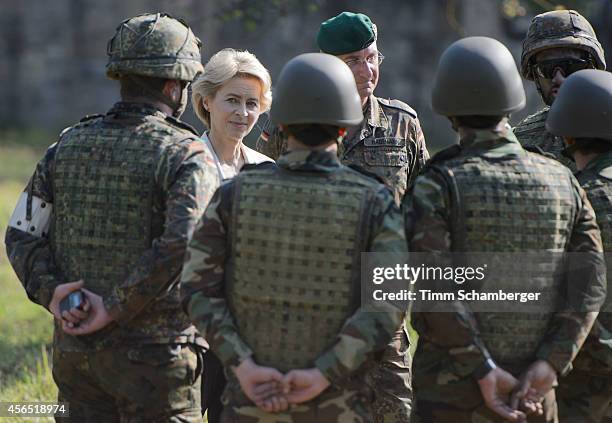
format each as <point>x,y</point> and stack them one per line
<point>346,33</point>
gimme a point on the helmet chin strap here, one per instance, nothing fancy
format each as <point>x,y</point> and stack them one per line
<point>178,107</point>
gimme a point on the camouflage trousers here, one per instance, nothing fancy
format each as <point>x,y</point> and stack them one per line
<point>584,397</point>
<point>152,383</point>
<point>332,406</point>
<point>446,392</point>
<point>389,380</point>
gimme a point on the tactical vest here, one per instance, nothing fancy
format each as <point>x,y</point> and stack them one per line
<point>295,275</point>
<point>512,204</point>
<point>104,197</point>
<point>532,132</point>
<point>598,187</point>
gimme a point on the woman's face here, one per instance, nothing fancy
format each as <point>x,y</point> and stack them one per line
<point>235,108</point>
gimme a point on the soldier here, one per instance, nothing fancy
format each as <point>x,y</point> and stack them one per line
<point>558,43</point>
<point>581,114</point>
<point>467,364</point>
<point>109,211</point>
<point>389,143</point>
<point>272,276</point>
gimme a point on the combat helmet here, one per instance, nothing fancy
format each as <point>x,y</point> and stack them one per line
<point>477,76</point>
<point>316,88</point>
<point>560,28</point>
<point>154,45</point>
<point>583,108</point>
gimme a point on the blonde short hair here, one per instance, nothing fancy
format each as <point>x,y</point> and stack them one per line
<point>223,66</point>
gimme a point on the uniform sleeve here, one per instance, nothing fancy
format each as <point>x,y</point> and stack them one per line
<point>427,222</point>
<point>421,153</point>
<point>203,282</point>
<point>187,179</point>
<point>366,332</point>
<point>586,290</point>
<point>27,237</point>
<point>271,142</point>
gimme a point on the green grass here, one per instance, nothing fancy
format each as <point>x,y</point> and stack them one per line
<point>25,328</point>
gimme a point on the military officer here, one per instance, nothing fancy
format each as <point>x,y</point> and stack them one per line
<point>558,43</point>
<point>389,142</point>
<point>467,364</point>
<point>581,115</point>
<point>272,276</point>
<point>108,212</point>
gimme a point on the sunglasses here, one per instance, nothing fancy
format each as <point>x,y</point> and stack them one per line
<point>546,69</point>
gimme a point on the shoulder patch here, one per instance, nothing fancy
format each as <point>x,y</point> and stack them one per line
<point>182,125</point>
<point>365,172</point>
<point>397,104</point>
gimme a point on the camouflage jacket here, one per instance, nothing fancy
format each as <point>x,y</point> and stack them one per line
<point>204,282</point>
<point>531,132</point>
<point>596,179</point>
<point>389,142</point>
<point>428,225</point>
<point>184,179</point>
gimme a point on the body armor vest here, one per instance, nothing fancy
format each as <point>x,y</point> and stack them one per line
<point>296,268</point>
<point>516,203</point>
<point>598,187</point>
<point>104,218</point>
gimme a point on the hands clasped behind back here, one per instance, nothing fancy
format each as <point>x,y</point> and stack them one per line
<point>272,391</point>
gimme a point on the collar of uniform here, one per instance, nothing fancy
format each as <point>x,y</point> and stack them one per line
<point>485,139</point>
<point>600,162</point>
<point>125,107</point>
<point>375,114</point>
<point>319,160</point>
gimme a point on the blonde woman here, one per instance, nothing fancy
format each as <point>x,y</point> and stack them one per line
<point>228,97</point>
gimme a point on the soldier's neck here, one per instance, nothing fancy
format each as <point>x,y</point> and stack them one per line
<point>582,159</point>
<point>294,144</point>
<point>162,107</point>
<point>464,131</point>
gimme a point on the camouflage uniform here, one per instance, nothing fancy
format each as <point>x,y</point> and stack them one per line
<point>114,203</point>
<point>227,236</point>
<point>389,143</point>
<point>449,350</point>
<point>551,30</point>
<point>531,132</point>
<point>585,395</point>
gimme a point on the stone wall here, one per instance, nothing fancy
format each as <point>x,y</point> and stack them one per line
<point>53,53</point>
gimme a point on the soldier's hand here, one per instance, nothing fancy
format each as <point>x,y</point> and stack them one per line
<point>304,385</point>
<point>98,317</point>
<point>496,388</point>
<point>73,315</point>
<point>535,383</point>
<point>262,385</point>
